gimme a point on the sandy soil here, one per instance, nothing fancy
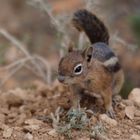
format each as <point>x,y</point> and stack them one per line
<point>25,115</point>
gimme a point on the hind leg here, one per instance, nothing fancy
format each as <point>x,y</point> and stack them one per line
<point>118,82</point>
<point>107,97</point>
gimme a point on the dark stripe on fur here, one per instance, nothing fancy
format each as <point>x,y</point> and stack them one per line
<point>114,68</point>
<point>109,55</point>
<point>102,52</point>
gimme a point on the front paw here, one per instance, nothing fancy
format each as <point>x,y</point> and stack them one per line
<point>111,113</point>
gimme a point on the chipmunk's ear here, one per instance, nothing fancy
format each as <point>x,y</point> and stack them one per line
<point>71,46</point>
<point>87,53</point>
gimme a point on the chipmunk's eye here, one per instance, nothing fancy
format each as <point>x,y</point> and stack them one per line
<point>78,69</point>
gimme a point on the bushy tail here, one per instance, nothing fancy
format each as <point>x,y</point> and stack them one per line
<point>95,29</point>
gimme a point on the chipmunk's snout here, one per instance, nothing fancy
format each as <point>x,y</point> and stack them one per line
<point>61,78</point>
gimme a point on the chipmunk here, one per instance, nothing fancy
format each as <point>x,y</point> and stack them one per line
<point>95,69</point>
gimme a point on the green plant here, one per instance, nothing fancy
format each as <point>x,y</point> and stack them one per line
<point>135,25</point>
<point>98,131</point>
<point>74,119</point>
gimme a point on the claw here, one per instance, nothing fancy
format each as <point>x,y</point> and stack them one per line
<point>116,99</point>
<point>111,113</point>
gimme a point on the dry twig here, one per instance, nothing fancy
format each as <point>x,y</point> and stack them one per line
<point>116,39</point>
<point>57,24</point>
<point>11,74</point>
<point>20,46</point>
<point>20,63</point>
<point>47,66</point>
<point>45,7</point>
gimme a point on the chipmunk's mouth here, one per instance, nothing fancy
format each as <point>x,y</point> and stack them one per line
<point>64,79</point>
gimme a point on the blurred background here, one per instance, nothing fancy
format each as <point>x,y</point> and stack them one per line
<point>34,34</point>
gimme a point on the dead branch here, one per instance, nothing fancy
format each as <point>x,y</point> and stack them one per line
<point>22,61</point>
<point>59,26</point>
<point>47,66</point>
<point>20,46</point>
<point>116,39</point>
<point>11,74</point>
<point>45,7</point>
<point>14,64</point>
<point>28,57</point>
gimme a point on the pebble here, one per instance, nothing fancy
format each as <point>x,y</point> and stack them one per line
<point>93,120</point>
<point>130,111</point>
<point>135,137</point>
<point>53,133</point>
<point>106,119</point>
<point>2,118</point>
<point>33,122</point>
<point>28,136</point>
<point>30,128</point>
<point>137,113</point>
<point>127,102</point>
<point>135,96</point>
<point>7,132</point>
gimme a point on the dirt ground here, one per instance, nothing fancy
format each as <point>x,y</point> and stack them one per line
<point>27,114</point>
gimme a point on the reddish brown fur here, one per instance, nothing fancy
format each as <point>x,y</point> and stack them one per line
<point>68,62</point>
<point>98,81</point>
<point>95,78</point>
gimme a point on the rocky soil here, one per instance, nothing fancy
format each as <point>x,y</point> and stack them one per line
<point>42,112</point>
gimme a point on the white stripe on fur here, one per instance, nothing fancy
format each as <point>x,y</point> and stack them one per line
<point>111,61</point>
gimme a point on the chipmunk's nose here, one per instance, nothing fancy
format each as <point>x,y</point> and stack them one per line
<point>61,78</point>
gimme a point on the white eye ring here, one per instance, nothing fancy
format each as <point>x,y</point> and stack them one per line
<point>78,69</point>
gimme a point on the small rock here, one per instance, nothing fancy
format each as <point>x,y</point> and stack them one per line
<point>135,96</point>
<point>93,120</point>
<point>17,96</point>
<point>28,136</point>
<point>106,119</point>
<point>138,127</point>
<point>53,133</point>
<point>127,102</point>
<point>13,100</point>
<point>30,128</point>
<point>130,111</point>
<point>3,126</point>
<point>135,137</point>
<point>121,114</point>
<point>2,118</point>
<point>121,106</point>
<point>7,132</point>
<point>33,122</point>
<point>17,128</point>
<point>4,111</point>
<point>137,113</point>
<point>21,119</point>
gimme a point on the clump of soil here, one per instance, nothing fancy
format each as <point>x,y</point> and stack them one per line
<point>43,112</point>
